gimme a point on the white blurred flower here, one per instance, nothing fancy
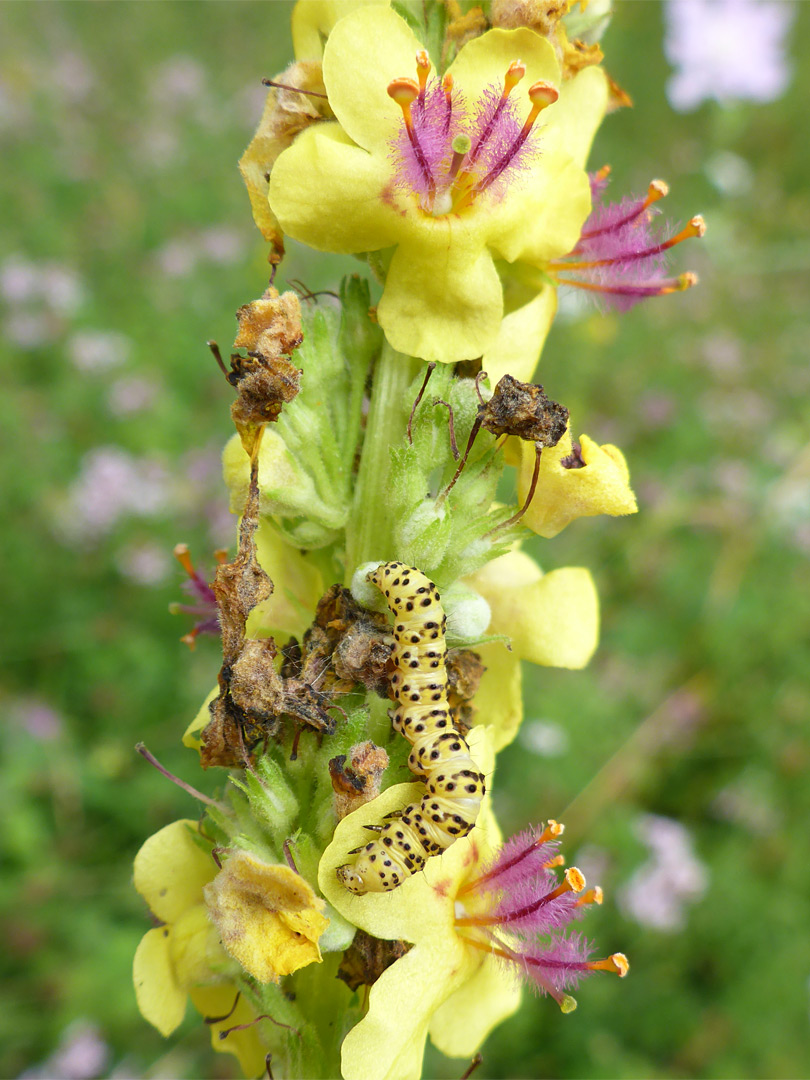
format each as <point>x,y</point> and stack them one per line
<point>131,395</point>
<point>659,891</point>
<point>91,351</point>
<point>544,737</point>
<point>726,50</point>
<point>112,484</point>
<point>144,564</point>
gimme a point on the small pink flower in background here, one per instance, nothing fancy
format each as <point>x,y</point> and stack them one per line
<point>219,244</point>
<point>82,1054</point>
<point>131,395</point>
<point>726,50</point>
<point>660,890</point>
<point>177,81</point>
<point>91,351</point>
<point>112,484</point>
<point>144,564</point>
<point>37,718</point>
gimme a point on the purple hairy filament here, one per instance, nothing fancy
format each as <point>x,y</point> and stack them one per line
<point>448,153</point>
<point>206,607</point>
<point>518,911</point>
<point>621,258</point>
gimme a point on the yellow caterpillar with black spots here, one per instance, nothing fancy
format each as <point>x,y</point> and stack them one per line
<point>440,755</point>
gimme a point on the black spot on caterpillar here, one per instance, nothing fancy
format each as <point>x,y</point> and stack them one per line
<point>439,756</point>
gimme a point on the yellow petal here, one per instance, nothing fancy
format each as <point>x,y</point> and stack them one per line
<point>268,917</point>
<point>170,870</point>
<point>459,1026</point>
<point>499,699</point>
<point>313,20</point>
<point>246,1045</point>
<point>573,120</point>
<point>298,587</point>
<point>365,51</point>
<point>328,193</point>
<point>196,954</point>
<point>199,722</point>
<point>484,60</point>
<point>600,486</point>
<point>443,298</point>
<point>517,347</point>
<point>389,1042</point>
<point>552,619</point>
<point>160,1000</point>
<point>541,219</point>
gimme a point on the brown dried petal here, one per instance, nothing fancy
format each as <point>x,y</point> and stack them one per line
<point>367,958</point>
<point>524,410</point>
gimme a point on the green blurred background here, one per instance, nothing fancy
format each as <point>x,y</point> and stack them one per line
<point>678,759</point>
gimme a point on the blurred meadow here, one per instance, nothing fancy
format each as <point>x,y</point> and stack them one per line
<point>678,760</point>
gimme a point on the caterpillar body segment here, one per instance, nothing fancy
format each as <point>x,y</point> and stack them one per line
<point>439,756</point>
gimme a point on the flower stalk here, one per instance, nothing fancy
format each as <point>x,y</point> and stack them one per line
<point>347,894</point>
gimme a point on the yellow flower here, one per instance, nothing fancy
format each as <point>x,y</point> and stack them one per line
<point>337,189</point>
<point>443,986</point>
<point>183,957</point>
<point>268,917</point>
<point>551,619</point>
<point>574,482</point>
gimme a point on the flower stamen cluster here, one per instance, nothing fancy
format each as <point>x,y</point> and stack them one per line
<point>619,256</point>
<point>518,900</point>
<point>449,167</point>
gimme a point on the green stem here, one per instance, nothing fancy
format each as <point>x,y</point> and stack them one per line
<point>368,535</point>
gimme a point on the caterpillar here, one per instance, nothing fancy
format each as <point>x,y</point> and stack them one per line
<point>439,755</point>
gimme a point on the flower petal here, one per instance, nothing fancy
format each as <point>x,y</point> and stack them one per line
<point>484,61</point>
<point>268,917</point>
<point>601,485</point>
<point>462,1023</point>
<point>443,299</point>
<point>328,193</point>
<point>170,870</point>
<point>298,587</point>
<point>389,1041</point>
<point>542,218</point>
<point>365,51</point>
<point>421,907</point>
<point>520,339</point>
<point>160,1000</point>
<point>499,699</point>
<point>578,112</point>
<point>552,619</point>
<point>190,738</point>
<point>246,1045</point>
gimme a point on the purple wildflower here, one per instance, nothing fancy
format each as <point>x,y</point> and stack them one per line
<point>449,154</point>
<point>518,910</point>
<point>621,256</point>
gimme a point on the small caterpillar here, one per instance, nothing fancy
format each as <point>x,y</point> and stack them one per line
<point>440,755</point>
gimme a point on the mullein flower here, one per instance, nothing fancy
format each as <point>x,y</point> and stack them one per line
<point>182,956</point>
<point>267,915</point>
<point>621,257</point>
<point>474,918</point>
<point>450,173</point>
<point>573,480</point>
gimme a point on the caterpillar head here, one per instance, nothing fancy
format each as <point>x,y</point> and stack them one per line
<point>350,878</point>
